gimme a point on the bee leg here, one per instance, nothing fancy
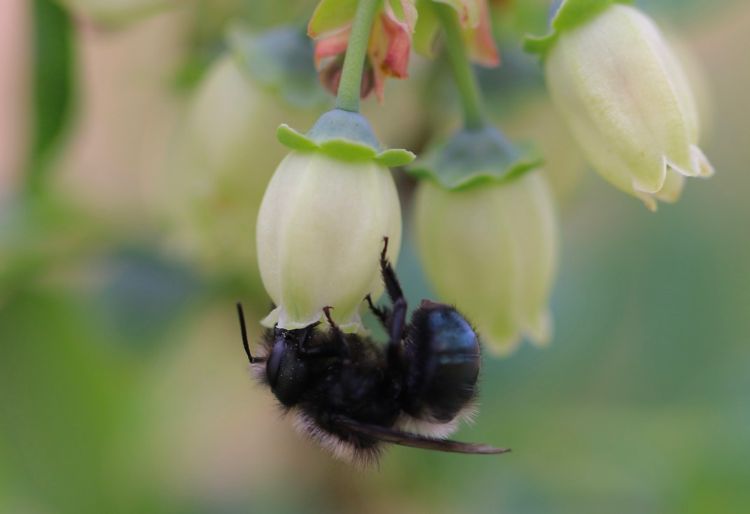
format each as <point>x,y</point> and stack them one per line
<point>327,311</point>
<point>390,280</point>
<point>340,346</point>
<point>397,319</point>
<point>396,331</point>
<point>381,313</point>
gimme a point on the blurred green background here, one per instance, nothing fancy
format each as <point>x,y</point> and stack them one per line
<point>123,385</point>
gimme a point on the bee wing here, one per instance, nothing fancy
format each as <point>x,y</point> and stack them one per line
<point>417,441</point>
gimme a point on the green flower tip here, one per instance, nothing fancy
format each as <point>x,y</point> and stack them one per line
<point>346,136</point>
<point>472,158</point>
<point>569,15</point>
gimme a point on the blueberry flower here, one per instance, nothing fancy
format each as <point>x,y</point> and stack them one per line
<point>322,221</point>
<point>625,97</point>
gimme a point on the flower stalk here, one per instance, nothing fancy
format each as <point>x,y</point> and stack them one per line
<point>463,72</point>
<point>351,75</point>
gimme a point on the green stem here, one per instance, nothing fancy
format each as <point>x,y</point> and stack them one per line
<point>463,72</point>
<point>52,83</point>
<point>354,60</point>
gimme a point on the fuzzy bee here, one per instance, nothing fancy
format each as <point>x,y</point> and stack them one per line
<point>351,394</point>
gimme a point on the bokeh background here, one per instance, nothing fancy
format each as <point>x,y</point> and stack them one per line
<point>125,239</point>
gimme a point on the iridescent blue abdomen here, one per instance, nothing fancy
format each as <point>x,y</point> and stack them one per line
<point>442,359</point>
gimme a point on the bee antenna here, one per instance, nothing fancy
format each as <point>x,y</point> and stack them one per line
<point>243,329</point>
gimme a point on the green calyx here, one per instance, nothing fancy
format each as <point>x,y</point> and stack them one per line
<point>473,157</point>
<point>570,14</point>
<point>346,136</point>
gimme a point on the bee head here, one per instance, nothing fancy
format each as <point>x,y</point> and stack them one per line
<point>286,368</point>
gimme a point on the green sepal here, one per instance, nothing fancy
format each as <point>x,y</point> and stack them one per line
<point>471,158</point>
<point>331,15</point>
<point>289,137</point>
<point>346,136</point>
<point>281,61</point>
<point>426,29</point>
<point>346,125</point>
<point>395,157</point>
<point>347,150</point>
<point>570,14</point>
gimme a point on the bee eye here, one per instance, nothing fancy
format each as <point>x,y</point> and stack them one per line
<point>274,362</point>
<point>286,372</point>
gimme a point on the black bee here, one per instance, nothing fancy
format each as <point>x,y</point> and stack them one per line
<point>351,394</point>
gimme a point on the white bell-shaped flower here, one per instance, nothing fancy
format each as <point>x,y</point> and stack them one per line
<point>626,99</point>
<point>322,221</point>
<point>492,250</point>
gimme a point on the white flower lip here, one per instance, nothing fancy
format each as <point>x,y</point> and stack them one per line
<point>628,104</point>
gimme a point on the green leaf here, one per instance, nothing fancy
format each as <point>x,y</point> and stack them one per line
<point>571,14</point>
<point>473,157</point>
<point>331,15</point>
<point>52,85</point>
<point>281,61</point>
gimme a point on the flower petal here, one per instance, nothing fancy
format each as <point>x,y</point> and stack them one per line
<point>390,43</point>
<point>701,163</point>
<point>479,40</point>
<point>330,16</point>
<point>469,11</point>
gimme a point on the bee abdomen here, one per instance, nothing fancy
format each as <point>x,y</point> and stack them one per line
<point>442,364</point>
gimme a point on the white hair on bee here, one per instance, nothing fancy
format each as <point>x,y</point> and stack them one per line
<point>340,449</point>
<point>258,371</point>
<point>431,427</point>
<point>426,428</point>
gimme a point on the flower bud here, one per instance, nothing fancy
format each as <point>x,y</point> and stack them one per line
<point>227,150</point>
<point>225,156</point>
<point>389,45</point>
<point>492,250</point>
<point>322,221</point>
<point>625,97</point>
